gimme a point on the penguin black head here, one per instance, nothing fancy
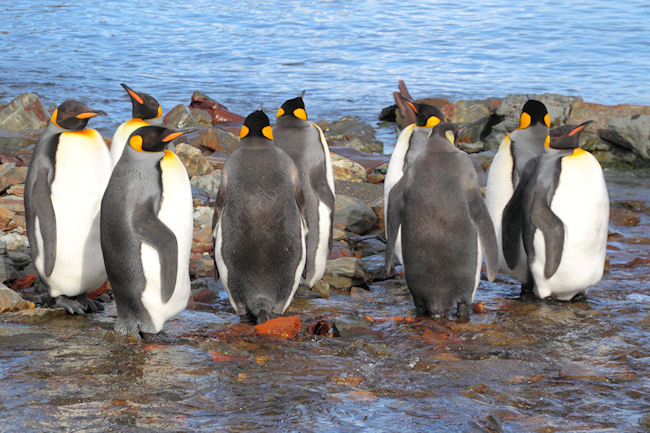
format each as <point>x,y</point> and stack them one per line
<point>566,137</point>
<point>256,125</point>
<point>448,131</point>
<point>144,106</point>
<point>428,115</point>
<point>294,107</point>
<point>74,115</point>
<point>534,112</point>
<point>152,138</point>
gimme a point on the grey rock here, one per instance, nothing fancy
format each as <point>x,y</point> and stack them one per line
<point>347,169</point>
<point>17,139</point>
<point>630,132</point>
<point>353,215</point>
<point>26,111</point>
<point>7,270</point>
<point>371,246</point>
<point>344,272</point>
<point>14,242</point>
<point>470,147</point>
<point>350,132</point>
<point>180,118</point>
<point>475,115</point>
<point>209,183</point>
<point>214,138</point>
<point>11,175</point>
<point>193,160</point>
<point>203,215</point>
<point>374,266</point>
<point>202,117</point>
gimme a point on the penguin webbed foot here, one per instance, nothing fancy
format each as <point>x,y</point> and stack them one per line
<point>463,311</point>
<point>580,297</point>
<point>80,304</point>
<point>527,292</point>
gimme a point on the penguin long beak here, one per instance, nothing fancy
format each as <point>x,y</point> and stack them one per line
<point>132,94</point>
<point>580,127</point>
<point>89,114</point>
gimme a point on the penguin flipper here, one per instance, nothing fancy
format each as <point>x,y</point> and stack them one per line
<point>155,233</point>
<point>511,225</point>
<point>41,194</point>
<point>393,220</point>
<point>483,223</point>
<point>322,189</point>
<point>552,229</point>
<point>220,202</point>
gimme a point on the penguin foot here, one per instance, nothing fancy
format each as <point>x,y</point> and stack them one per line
<point>462,312</point>
<point>78,304</point>
<point>580,297</point>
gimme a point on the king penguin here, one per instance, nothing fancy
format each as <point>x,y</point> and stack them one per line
<point>561,211</point>
<point>145,111</point>
<point>444,224</point>
<point>411,142</point>
<point>515,151</point>
<point>146,232</point>
<point>306,145</point>
<point>258,226</point>
<point>65,182</point>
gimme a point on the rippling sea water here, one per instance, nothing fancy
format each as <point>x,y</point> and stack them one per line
<point>347,54</point>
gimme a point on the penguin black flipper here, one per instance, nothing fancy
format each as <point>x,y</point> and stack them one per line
<point>220,202</point>
<point>482,221</point>
<point>552,229</point>
<point>41,194</point>
<point>393,218</point>
<point>512,218</point>
<point>323,192</point>
<point>154,232</point>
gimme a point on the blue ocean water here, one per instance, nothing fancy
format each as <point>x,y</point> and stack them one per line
<point>348,55</point>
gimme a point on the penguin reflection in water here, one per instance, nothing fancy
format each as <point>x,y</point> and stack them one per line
<point>146,232</point>
<point>560,210</point>
<point>67,176</point>
<point>444,224</point>
<point>258,226</point>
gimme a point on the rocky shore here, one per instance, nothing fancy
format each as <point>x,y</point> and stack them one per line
<point>619,137</point>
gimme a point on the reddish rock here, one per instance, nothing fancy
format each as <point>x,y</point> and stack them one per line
<point>204,296</point>
<point>479,308</point>
<point>283,327</point>
<point>94,294</point>
<point>12,301</point>
<point>324,328</point>
<point>623,217</point>
<point>22,283</point>
<point>215,139</point>
<point>234,332</point>
<point>218,112</point>
<point>339,250</point>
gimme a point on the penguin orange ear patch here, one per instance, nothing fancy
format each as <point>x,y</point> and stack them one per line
<point>267,132</point>
<point>53,118</point>
<point>524,121</point>
<point>280,112</point>
<point>547,120</point>
<point>159,112</point>
<point>432,121</point>
<point>244,131</point>
<point>300,113</point>
<point>136,142</point>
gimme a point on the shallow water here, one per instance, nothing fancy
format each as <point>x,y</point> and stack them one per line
<point>347,55</point>
<point>521,366</point>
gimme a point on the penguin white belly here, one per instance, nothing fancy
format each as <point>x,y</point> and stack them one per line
<point>582,203</point>
<point>479,262</point>
<point>498,193</point>
<point>121,136</point>
<point>82,172</point>
<point>320,262</point>
<point>176,213</point>
<point>221,266</point>
<point>393,175</point>
<point>301,265</point>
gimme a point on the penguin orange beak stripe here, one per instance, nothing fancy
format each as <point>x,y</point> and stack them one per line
<point>578,129</point>
<point>171,136</point>
<point>412,106</point>
<point>135,96</point>
<point>86,115</point>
